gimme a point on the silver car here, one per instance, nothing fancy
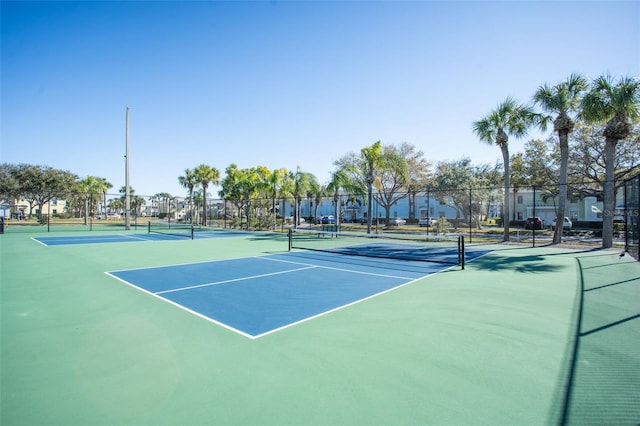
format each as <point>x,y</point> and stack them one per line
<point>396,221</point>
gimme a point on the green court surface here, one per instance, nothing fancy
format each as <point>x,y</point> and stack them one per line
<point>523,335</point>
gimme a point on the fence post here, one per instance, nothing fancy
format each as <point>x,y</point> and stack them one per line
<point>470,215</point>
<point>534,215</point>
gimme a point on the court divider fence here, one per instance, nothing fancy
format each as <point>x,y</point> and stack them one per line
<point>631,188</point>
<point>477,212</point>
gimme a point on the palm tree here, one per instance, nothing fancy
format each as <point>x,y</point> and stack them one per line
<point>392,178</point>
<point>275,183</point>
<point>372,160</point>
<point>189,181</point>
<point>165,198</point>
<point>562,99</point>
<point>617,104</point>
<point>90,186</point>
<point>205,175</point>
<point>318,198</point>
<point>315,192</point>
<point>341,179</point>
<point>103,186</point>
<point>509,118</point>
<point>302,181</point>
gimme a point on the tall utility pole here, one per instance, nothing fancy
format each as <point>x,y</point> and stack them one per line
<point>127,192</point>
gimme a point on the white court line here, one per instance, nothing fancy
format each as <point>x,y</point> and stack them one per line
<point>40,242</point>
<point>235,279</point>
<point>184,308</point>
<point>268,258</point>
<point>135,237</point>
<point>199,262</point>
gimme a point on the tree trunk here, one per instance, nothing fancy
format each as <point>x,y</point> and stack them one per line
<point>86,210</point>
<point>369,207</point>
<point>336,203</point>
<point>609,192</point>
<point>507,184</point>
<point>562,190</point>
<point>204,205</point>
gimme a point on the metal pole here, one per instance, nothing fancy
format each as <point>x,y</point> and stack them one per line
<point>127,193</point>
<point>624,215</point>
<point>534,215</point>
<point>428,212</point>
<point>470,216</point>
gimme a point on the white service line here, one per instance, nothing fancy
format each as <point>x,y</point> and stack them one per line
<point>234,280</point>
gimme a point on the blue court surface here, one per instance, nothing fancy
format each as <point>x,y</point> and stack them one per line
<point>132,237</point>
<point>257,296</point>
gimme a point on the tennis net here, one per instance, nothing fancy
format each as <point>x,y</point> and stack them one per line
<point>185,230</point>
<point>412,247</point>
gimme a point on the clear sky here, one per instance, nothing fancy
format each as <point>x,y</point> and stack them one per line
<point>282,84</point>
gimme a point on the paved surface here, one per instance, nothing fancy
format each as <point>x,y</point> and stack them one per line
<point>522,336</point>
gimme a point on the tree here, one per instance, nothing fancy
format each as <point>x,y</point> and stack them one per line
<point>233,186</point>
<point>103,186</point>
<point>9,185</point>
<point>40,184</point>
<point>393,177</point>
<point>562,100</point>
<point>419,173</point>
<point>587,166</point>
<point>206,175</point>
<point>371,161</point>
<point>189,182</point>
<point>275,183</point>
<point>315,192</point>
<point>164,201</point>
<point>135,202</point>
<point>617,104</point>
<point>258,186</point>
<point>459,183</point>
<point>302,182</point>
<point>92,189</point>
<point>341,179</point>
<point>509,118</point>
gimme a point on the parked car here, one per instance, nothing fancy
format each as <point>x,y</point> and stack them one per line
<point>567,224</point>
<point>534,223</point>
<point>427,221</point>
<point>328,219</point>
<point>109,216</point>
<point>396,221</point>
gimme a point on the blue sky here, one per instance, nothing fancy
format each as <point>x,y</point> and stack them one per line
<point>282,84</point>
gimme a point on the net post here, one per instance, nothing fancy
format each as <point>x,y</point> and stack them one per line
<point>461,252</point>
<point>149,227</point>
<point>290,237</point>
<point>192,231</point>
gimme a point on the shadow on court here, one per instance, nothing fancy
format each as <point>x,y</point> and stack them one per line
<point>604,377</point>
<point>533,264</point>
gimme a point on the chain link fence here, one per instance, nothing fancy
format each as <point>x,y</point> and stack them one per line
<point>479,213</point>
<point>631,188</point>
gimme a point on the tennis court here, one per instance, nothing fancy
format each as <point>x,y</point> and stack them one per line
<point>520,336</point>
<point>158,233</point>
<point>258,295</point>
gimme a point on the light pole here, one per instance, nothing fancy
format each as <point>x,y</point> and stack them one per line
<point>127,193</point>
